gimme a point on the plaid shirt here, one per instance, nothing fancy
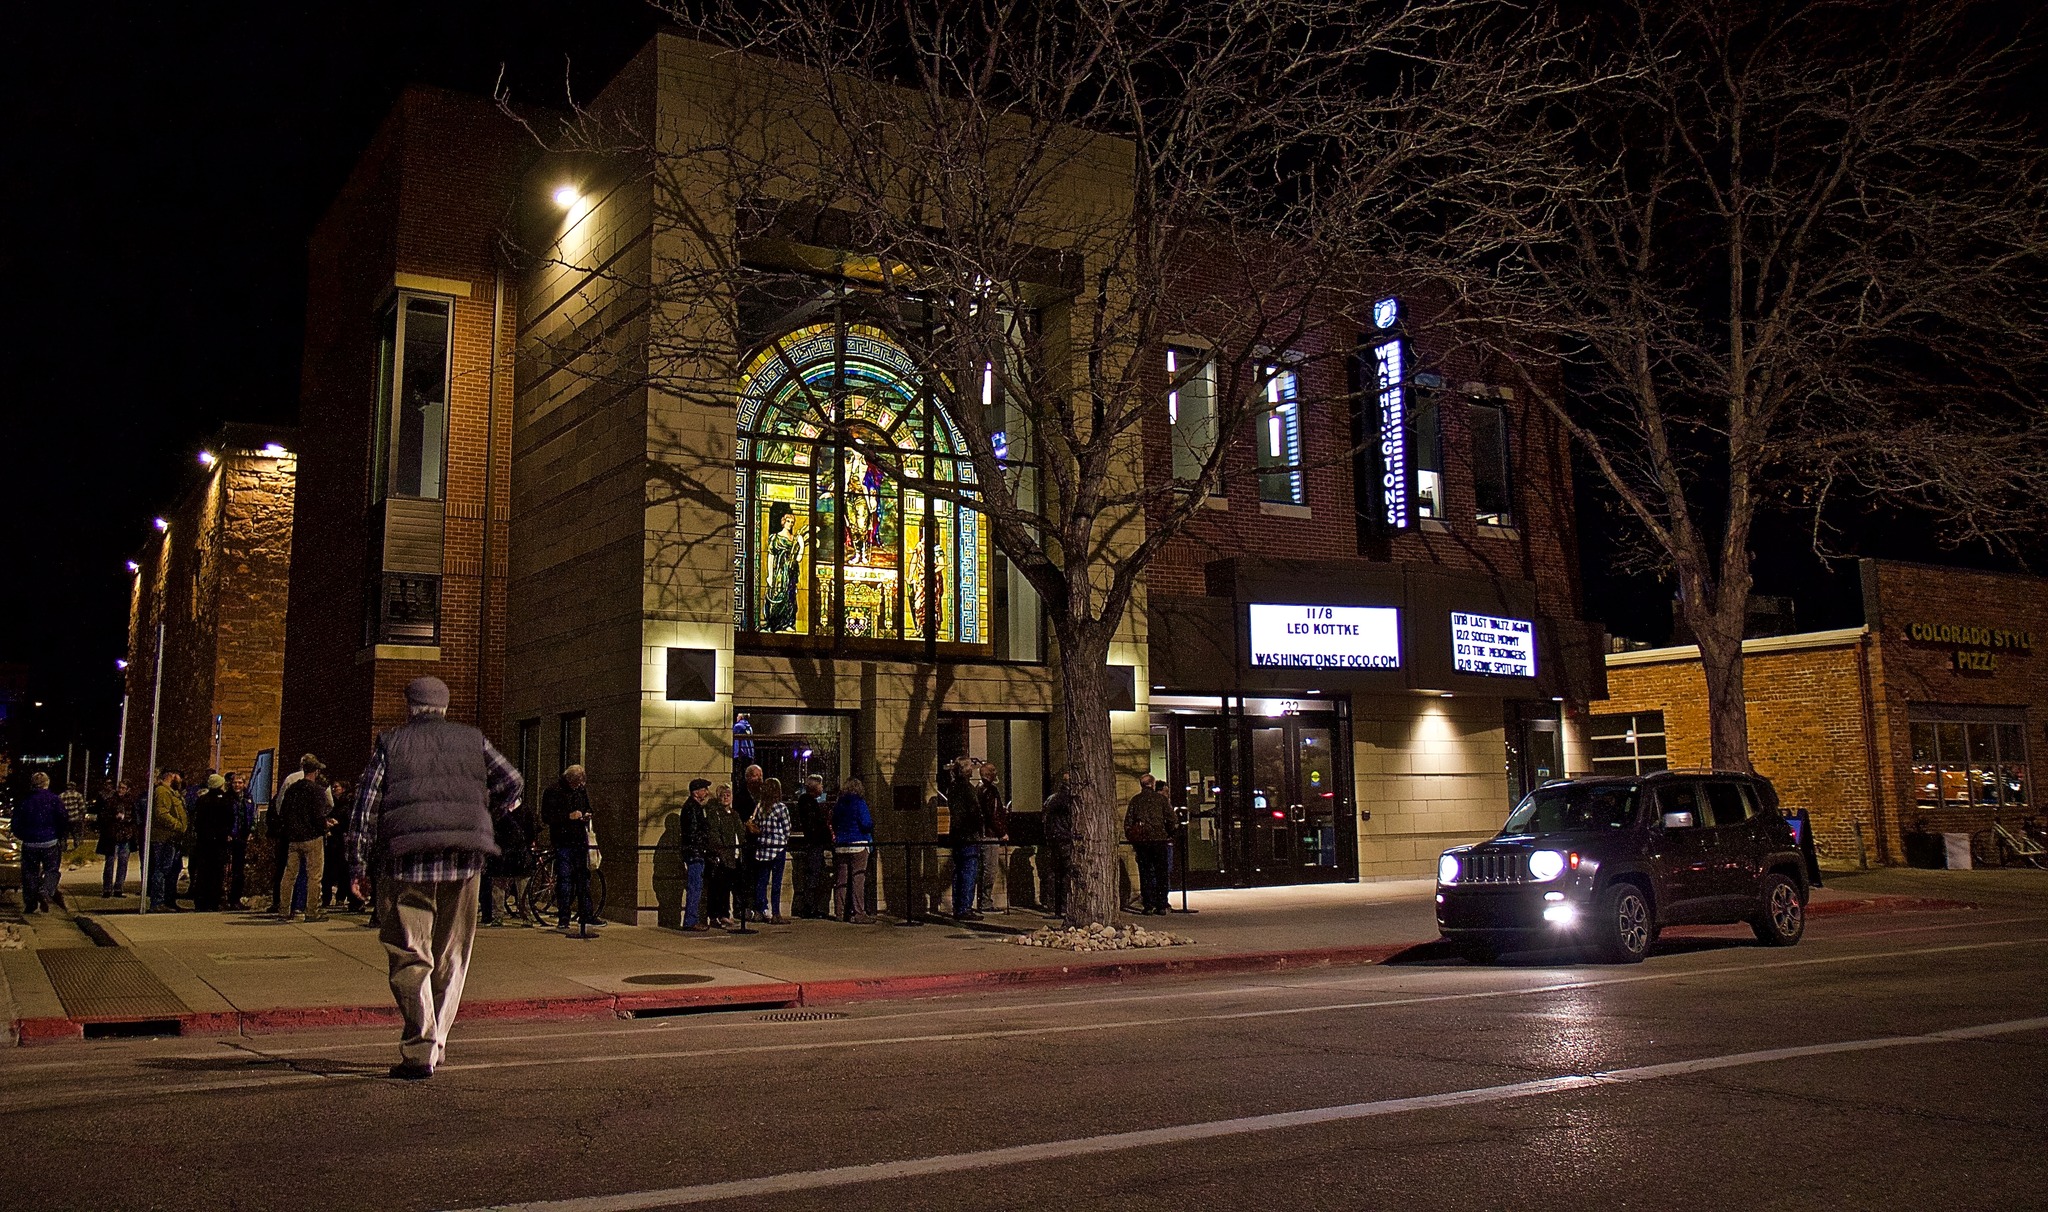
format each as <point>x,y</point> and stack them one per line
<point>430,866</point>
<point>773,822</point>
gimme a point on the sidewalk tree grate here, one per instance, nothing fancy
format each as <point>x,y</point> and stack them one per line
<point>800,1016</point>
<point>667,978</point>
<point>108,982</point>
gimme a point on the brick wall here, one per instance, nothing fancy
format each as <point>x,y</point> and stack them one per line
<point>1806,729</point>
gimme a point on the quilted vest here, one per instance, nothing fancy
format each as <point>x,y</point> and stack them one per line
<point>436,789</point>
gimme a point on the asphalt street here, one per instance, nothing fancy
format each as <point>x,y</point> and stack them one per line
<point>1890,1061</point>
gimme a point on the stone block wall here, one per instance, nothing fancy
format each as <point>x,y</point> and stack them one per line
<point>1433,773</point>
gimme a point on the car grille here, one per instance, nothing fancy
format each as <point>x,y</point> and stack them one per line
<point>1495,868</point>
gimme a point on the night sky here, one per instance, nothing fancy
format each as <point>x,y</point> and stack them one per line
<point>167,164</point>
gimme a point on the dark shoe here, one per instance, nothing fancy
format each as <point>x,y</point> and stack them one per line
<point>406,1071</point>
<point>317,917</point>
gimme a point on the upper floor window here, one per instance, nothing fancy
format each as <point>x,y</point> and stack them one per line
<point>1190,410</point>
<point>1279,438</point>
<point>851,498</point>
<point>1426,451</point>
<point>412,399</point>
<point>1492,480</point>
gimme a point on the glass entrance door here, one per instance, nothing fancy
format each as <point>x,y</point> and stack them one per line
<point>1295,802</point>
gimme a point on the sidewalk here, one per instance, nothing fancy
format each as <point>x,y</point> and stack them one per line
<point>194,973</point>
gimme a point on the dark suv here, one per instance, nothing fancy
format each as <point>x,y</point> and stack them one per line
<point>1608,862</point>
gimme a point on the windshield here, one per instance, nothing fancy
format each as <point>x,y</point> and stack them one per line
<point>1575,808</point>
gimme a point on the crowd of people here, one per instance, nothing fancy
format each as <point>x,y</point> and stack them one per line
<point>739,843</point>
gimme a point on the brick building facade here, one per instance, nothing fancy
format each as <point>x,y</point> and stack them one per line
<point>216,576</point>
<point>1926,719</point>
<point>405,406</point>
<point>620,623</point>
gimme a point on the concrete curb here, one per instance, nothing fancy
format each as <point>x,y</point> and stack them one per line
<point>786,994</point>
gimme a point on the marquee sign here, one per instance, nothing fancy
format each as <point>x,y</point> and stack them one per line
<point>1487,644</point>
<point>1325,637</point>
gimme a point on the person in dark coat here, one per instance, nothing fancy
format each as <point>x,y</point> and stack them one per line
<point>41,824</point>
<point>693,838</point>
<point>213,820</point>
<point>566,809</point>
<point>238,840</point>
<point>723,873</point>
<point>306,815</point>
<point>117,821</point>
<point>812,817</point>
<point>1058,820</point>
<point>507,873</point>
<point>1148,826</point>
<point>964,835</point>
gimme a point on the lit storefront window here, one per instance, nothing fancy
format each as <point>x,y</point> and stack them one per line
<point>1969,763</point>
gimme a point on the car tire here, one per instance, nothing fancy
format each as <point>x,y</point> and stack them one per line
<point>1624,925</point>
<point>1780,919</point>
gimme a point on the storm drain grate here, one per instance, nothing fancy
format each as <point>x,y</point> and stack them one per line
<point>108,982</point>
<point>799,1016</point>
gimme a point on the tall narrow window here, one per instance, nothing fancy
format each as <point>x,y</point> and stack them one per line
<point>412,399</point>
<point>573,738</point>
<point>1279,438</point>
<point>529,758</point>
<point>1492,485</point>
<point>1190,410</point>
<point>1426,449</point>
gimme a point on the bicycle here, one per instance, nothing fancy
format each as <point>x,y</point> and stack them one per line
<point>541,902</point>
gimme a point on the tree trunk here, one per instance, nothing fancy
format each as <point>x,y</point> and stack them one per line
<point>1092,877</point>
<point>1719,632</point>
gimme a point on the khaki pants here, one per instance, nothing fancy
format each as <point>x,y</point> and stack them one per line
<point>313,857</point>
<point>427,930</point>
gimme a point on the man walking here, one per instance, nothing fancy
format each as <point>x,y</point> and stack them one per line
<point>566,808</point>
<point>303,818</point>
<point>41,824</point>
<point>1148,827</point>
<point>425,809</point>
<point>166,839</point>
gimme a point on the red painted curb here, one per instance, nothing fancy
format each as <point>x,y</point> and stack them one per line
<point>47,1030</point>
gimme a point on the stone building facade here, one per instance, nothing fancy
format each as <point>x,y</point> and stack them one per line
<point>1925,720</point>
<point>217,577</point>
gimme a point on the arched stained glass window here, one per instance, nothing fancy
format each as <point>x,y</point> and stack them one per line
<point>839,535</point>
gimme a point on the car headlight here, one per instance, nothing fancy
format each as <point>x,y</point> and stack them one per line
<point>1545,865</point>
<point>1447,869</point>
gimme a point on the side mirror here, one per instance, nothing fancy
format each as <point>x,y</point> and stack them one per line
<point>1678,820</point>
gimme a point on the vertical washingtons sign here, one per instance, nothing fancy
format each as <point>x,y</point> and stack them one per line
<point>1388,369</point>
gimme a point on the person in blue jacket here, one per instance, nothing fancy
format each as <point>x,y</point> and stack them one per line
<point>42,824</point>
<point>853,839</point>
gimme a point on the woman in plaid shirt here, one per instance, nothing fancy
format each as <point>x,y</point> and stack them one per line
<point>770,829</point>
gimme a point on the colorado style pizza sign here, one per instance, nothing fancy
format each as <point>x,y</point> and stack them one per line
<point>1484,643</point>
<point>1325,637</point>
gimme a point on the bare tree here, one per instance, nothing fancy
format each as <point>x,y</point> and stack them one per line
<point>1030,199</point>
<point>1791,250</point>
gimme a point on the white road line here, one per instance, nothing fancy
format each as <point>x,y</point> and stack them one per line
<point>1378,974</point>
<point>820,1045</point>
<point>1116,1142</point>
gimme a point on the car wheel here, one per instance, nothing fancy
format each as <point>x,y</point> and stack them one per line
<point>1624,926</point>
<point>1781,919</point>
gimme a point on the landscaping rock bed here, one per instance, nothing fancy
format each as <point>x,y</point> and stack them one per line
<point>1098,937</point>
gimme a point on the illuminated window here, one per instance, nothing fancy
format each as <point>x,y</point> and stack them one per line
<point>849,499</point>
<point>1492,481</point>
<point>1960,763</point>
<point>1279,439</point>
<point>412,399</point>
<point>1426,451</point>
<point>1190,410</point>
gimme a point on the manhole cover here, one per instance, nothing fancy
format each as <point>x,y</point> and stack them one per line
<point>799,1016</point>
<point>667,978</point>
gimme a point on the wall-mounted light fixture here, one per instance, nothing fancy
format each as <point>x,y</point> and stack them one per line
<point>273,451</point>
<point>134,567</point>
<point>206,458</point>
<point>160,524</point>
<point>566,196</point>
